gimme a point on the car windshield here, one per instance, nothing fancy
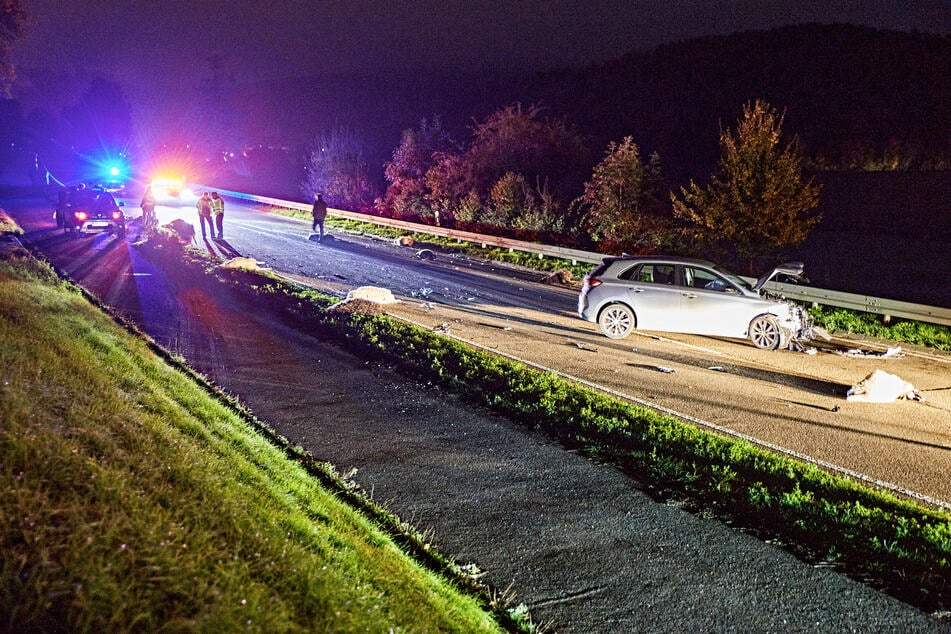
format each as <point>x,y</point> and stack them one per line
<point>736,279</point>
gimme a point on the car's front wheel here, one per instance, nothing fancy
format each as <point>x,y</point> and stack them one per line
<point>767,334</point>
<point>616,321</point>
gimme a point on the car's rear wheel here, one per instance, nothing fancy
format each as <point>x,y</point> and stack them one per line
<point>767,334</point>
<point>616,321</point>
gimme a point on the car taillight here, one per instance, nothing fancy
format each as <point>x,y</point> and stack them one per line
<point>81,216</point>
<point>593,283</point>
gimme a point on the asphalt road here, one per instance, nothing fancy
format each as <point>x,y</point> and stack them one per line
<point>574,540</point>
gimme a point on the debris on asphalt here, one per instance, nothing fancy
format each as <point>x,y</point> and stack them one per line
<point>798,346</point>
<point>890,353</point>
<point>426,254</point>
<point>442,328</point>
<point>882,387</point>
<point>583,346</point>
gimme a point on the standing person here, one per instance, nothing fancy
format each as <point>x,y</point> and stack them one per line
<point>204,214</point>
<point>319,212</point>
<point>218,210</point>
<point>148,207</point>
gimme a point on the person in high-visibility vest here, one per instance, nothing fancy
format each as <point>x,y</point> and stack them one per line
<point>218,211</point>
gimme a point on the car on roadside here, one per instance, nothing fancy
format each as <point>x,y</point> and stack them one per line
<point>90,210</point>
<point>688,295</point>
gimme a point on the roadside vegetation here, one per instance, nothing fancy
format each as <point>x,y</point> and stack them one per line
<point>899,546</point>
<point>136,497</point>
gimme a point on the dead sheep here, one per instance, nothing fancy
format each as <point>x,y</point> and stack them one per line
<point>184,231</point>
<point>561,277</point>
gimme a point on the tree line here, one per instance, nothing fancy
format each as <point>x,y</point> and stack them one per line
<point>516,175</point>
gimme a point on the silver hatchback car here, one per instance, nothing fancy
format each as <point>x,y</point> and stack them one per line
<point>675,294</point>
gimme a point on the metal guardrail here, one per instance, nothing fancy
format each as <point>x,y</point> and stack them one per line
<point>808,294</point>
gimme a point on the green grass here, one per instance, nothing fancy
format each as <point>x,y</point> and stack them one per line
<point>897,545</point>
<point>899,330</point>
<point>134,498</point>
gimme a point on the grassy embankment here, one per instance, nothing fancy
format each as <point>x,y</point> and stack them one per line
<point>899,546</point>
<point>135,497</point>
<point>834,320</point>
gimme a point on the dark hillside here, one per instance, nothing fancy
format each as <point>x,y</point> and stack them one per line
<point>858,98</point>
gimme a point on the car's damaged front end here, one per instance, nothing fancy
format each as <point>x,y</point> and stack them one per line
<point>794,319</point>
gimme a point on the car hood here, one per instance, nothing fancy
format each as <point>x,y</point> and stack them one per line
<point>792,269</point>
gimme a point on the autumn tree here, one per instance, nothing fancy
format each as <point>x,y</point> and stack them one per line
<point>623,200</point>
<point>515,155</point>
<point>405,173</point>
<point>757,200</point>
<point>336,166</point>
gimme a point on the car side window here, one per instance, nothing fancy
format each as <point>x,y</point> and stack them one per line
<point>701,278</point>
<point>657,274</point>
<point>630,273</point>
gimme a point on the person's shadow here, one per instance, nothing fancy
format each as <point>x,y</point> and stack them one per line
<point>225,248</point>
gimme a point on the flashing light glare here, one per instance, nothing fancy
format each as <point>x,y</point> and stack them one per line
<point>113,171</point>
<point>81,216</point>
<point>116,215</point>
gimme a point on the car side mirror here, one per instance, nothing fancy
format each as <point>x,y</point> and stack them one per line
<point>122,203</point>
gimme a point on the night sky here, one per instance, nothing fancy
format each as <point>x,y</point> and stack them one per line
<point>162,52</point>
<point>155,40</point>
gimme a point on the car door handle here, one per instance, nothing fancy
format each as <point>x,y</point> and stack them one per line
<point>690,295</point>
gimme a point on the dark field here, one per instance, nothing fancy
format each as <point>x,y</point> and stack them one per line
<point>883,234</point>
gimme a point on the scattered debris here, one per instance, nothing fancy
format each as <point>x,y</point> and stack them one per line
<point>797,346</point>
<point>428,305</point>
<point>423,292</point>
<point>442,328</point>
<point>882,387</point>
<point>561,277</point>
<point>246,264</point>
<point>583,346</point>
<point>426,254</point>
<point>403,241</point>
<point>890,353</point>
<point>665,370</point>
<point>717,368</point>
